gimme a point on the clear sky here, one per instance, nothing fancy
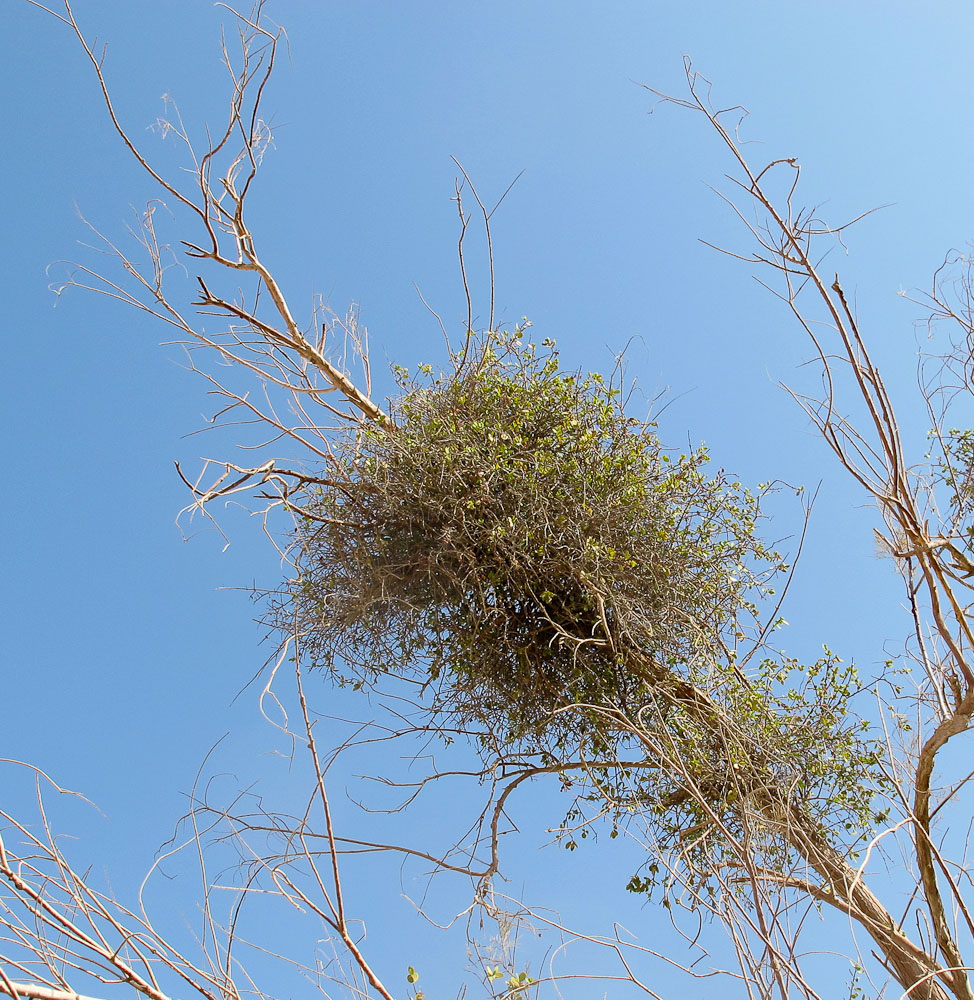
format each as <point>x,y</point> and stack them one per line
<point>125,644</point>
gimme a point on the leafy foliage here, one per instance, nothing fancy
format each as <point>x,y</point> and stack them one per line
<point>956,471</point>
<point>518,537</point>
<point>778,745</point>
<point>518,544</point>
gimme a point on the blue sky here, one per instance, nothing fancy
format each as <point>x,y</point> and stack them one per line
<point>126,644</point>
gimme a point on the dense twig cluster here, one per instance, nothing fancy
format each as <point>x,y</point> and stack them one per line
<point>521,540</point>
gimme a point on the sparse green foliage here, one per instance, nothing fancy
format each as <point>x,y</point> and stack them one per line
<point>956,470</point>
<point>779,744</point>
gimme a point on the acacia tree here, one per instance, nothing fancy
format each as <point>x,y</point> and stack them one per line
<point>506,559</point>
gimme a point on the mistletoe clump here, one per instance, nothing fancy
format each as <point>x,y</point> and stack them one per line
<point>515,539</point>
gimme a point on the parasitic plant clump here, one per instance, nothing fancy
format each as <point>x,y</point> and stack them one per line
<point>518,540</point>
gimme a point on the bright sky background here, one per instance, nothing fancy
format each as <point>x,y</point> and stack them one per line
<point>125,645</point>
